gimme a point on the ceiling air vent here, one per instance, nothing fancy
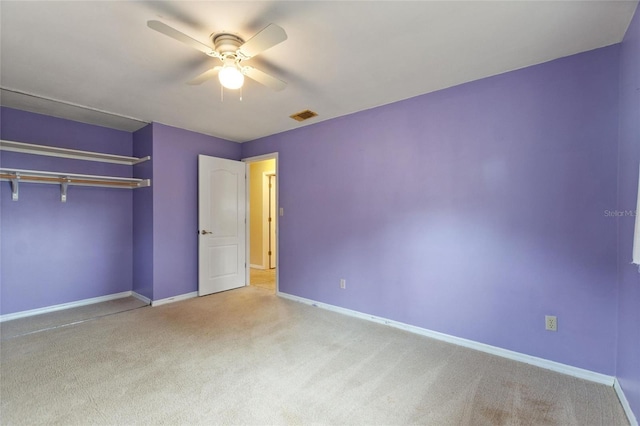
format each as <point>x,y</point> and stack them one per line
<point>303,115</point>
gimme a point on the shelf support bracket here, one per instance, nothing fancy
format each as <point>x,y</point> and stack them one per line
<point>63,190</point>
<point>15,187</point>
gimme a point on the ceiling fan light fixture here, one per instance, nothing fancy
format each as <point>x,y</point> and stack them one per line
<point>231,77</point>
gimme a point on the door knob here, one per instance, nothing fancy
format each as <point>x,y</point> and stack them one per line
<point>206,232</point>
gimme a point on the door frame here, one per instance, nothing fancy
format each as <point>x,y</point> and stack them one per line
<point>266,234</point>
<point>271,225</point>
<point>255,159</point>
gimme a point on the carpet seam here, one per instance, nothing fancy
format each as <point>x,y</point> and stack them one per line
<point>70,324</point>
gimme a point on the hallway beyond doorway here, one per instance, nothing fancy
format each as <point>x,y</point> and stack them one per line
<point>263,278</point>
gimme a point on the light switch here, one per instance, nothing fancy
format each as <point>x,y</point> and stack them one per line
<point>281,211</point>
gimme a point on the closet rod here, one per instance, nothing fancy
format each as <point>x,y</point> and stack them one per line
<point>15,176</point>
<point>71,181</point>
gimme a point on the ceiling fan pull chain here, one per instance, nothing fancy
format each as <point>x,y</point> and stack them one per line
<point>240,93</point>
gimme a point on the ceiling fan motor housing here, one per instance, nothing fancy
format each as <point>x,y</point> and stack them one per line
<point>226,43</point>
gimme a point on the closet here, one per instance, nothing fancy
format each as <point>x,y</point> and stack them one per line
<point>16,176</point>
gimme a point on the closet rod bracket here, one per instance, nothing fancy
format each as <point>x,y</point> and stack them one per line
<point>63,189</point>
<point>15,186</point>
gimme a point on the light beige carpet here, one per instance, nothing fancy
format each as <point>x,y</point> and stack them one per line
<point>263,278</point>
<point>37,323</point>
<point>248,357</point>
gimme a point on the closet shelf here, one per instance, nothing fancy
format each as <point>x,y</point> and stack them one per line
<point>52,151</point>
<point>15,176</point>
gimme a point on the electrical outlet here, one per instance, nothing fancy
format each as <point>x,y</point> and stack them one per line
<point>343,283</point>
<point>551,322</point>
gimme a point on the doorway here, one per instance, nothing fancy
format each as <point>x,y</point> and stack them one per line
<point>262,222</point>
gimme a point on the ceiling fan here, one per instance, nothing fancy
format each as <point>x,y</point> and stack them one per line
<point>232,51</point>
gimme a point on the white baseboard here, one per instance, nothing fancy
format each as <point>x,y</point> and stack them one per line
<point>494,350</point>
<point>257,266</point>
<point>62,306</point>
<point>174,298</point>
<point>625,404</point>
<point>140,297</point>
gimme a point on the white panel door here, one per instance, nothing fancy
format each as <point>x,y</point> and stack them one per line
<point>221,223</point>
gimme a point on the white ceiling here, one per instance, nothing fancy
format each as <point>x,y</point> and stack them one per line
<point>340,57</point>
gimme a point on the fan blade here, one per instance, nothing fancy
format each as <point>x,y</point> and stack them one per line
<point>163,28</point>
<point>268,37</point>
<point>264,78</point>
<point>204,76</point>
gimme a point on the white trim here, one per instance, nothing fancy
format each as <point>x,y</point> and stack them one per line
<point>174,298</point>
<point>625,404</point>
<point>257,266</point>
<point>636,230</point>
<point>505,353</point>
<point>62,306</point>
<point>141,298</point>
<point>262,157</point>
<point>272,178</point>
<point>272,155</point>
<point>247,224</point>
<point>264,224</point>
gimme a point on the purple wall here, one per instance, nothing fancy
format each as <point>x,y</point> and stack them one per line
<point>55,252</point>
<point>143,215</point>
<point>628,350</point>
<point>175,205</point>
<point>473,211</point>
